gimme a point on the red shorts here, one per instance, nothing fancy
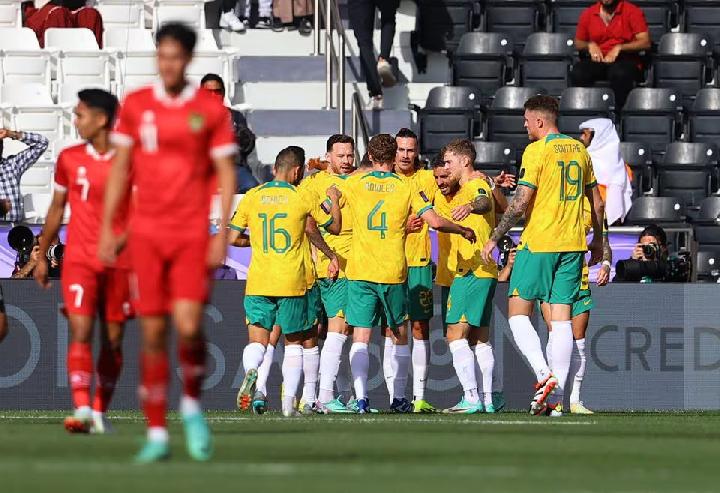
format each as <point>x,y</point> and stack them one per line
<point>87,291</point>
<point>167,270</point>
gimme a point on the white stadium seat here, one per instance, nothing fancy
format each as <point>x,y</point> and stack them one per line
<point>61,144</point>
<point>128,40</point>
<point>37,179</point>
<point>79,56</point>
<point>10,13</point>
<point>21,59</point>
<point>191,12</point>
<point>208,58</point>
<point>28,106</point>
<point>36,205</point>
<point>122,13</point>
<point>67,92</point>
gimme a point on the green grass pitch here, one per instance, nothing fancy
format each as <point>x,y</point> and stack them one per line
<point>408,453</point>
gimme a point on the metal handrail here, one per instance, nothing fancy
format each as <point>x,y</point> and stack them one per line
<point>359,123</point>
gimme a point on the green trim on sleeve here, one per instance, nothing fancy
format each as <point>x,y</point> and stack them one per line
<point>591,185</point>
<point>236,228</point>
<point>327,223</point>
<point>527,184</point>
<point>424,210</point>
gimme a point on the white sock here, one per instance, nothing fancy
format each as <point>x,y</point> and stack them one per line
<point>420,362</point>
<point>478,371</point>
<point>562,348</point>
<point>548,349</point>
<point>388,366</point>
<point>359,363</point>
<point>264,370</point>
<point>464,363</point>
<point>330,364</point>
<point>486,360</point>
<point>311,366</point>
<point>528,343</point>
<point>343,382</point>
<point>401,358</point>
<point>157,434</point>
<point>253,356</point>
<point>577,370</point>
<point>83,412</point>
<point>292,372</point>
<point>189,406</point>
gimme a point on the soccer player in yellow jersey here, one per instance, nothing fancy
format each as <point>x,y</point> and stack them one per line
<point>380,203</point>
<point>556,173</point>
<point>419,285</point>
<point>447,189</point>
<point>276,214</point>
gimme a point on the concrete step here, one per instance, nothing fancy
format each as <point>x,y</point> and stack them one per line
<point>290,123</point>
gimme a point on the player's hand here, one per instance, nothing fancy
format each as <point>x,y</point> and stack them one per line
<point>595,52</point>
<point>414,224</point>
<point>612,55</point>
<point>504,180</point>
<point>603,276</point>
<point>487,251</point>
<point>334,193</point>
<point>4,133</point>
<point>40,273</point>
<point>469,235</point>
<point>107,248</point>
<point>596,251</point>
<point>637,253</point>
<point>333,268</point>
<point>217,251</point>
<point>461,212</point>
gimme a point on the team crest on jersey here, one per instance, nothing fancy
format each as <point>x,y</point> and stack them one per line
<point>196,122</point>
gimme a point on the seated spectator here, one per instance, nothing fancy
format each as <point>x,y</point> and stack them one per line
<point>295,14</point>
<point>243,135</point>
<point>612,32</point>
<point>13,167</point>
<point>62,13</point>
<point>228,19</point>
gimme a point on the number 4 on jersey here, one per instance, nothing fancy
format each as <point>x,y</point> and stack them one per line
<point>371,220</point>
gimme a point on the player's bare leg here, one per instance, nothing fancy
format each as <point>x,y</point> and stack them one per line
<point>292,369</point>
<point>479,340</point>
<point>80,372</point>
<point>464,364</point>
<point>359,364</point>
<point>259,397</point>
<point>400,361</point>
<point>420,364</point>
<point>330,357</point>
<point>253,355</point>
<point>311,368</point>
<point>107,371</point>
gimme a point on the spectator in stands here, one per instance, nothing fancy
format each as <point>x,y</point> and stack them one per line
<point>13,167</point>
<point>244,136</point>
<point>61,13</point>
<point>376,70</point>
<point>612,32</point>
<point>652,235</point>
<point>295,14</point>
<point>229,19</point>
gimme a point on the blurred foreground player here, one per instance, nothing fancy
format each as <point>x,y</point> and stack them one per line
<point>90,288</point>
<point>176,139</point>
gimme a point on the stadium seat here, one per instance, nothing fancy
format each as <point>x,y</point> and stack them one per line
<point>656,210</point>
<point>190,12</point>
<point>10,14</point>
<point>651,116</point>
<point>707,265</point>
<point>37,179</point>
<point>681,63</point>
<point>703,16</point>
<point>661,16</point>
<point>21,59</point>
<point>482,61</point>
<point>127,14</point>
<point>704,116</point>
<point>36,205</point>
<point>208,58</point>
<point>440,24</point>
<point>494,157</point>
<point>686,171</point>
<point>504,120</point>
<point>128,40</point>
<point>706,225</point>
<point>61,144</point>
<point>68,91</point>
<point>710,211</point>
<point>79,58</point>
<point>545,61</point>
<point>564,14</point>
<point>29,106</point>
<point>517,18</point>
<point>448,114</point>
<point>579,104</point>
<point>638,157</point>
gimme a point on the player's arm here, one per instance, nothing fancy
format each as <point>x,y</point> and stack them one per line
<point>597,209</point>
<point>115,193</point>
<point>224,169</point>
<point>515,211</point>
<point>501,203</point>
<point>50,230</point>
<point>238,238</point>
<point>441,224</point>
<point>316,238</point>
<point>479,205</point>
<point>335,225</point>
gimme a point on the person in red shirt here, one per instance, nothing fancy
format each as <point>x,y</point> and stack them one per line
<point>612,32</point>
<point>89,287</point>
<point>174,146</point>
<point>62,13</point>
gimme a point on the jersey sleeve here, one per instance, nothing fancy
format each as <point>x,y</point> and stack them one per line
<point>481,189</point>
<point>239,219</point>
<point>125,132</point>
<point>590,180</point>
<point>318,208</point>
<point>222,135</point>
<point>530,169</point>
<point>62,180</point>
<point>419,201</point>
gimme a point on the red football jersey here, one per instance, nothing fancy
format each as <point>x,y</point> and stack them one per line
<point>82,172</point>
<point>173,141</point>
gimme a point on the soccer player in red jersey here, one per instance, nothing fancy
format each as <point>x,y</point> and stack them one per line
<point>89,288</point>
<point>172,141</point>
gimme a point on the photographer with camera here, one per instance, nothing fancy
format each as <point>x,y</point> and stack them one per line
<point>651,261</point>
<point>27,246</point>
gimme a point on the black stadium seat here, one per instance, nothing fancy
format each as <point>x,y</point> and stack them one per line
<point>448,114</point>
<point>707,265</point>
<point>518,18</point>
<point>578,104</point>
<point>686,171</point>
<point>681,63</point>
<point>707,225</point>
<point>494,157</point>
<point>545,61</point>
<point>564,14</point>
<point>661,16</point>
<point>651,116</point>
<point>483,61</point>
<point>703,16</point>
<point>710,211</point>
<point>704,116</point>
<point>440,24</point>
<point>504,120</point>
<point>656,210</point>
<point>638,157</point>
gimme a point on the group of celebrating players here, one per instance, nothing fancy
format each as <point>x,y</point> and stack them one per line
<point>345,250</point>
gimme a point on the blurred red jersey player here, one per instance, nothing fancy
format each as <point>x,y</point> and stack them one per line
<point>89,287</point>
<point>176,139</point>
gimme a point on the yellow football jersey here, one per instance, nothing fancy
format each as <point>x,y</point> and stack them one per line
<point>340,244</point>
<point>443,207</point>
<point>417,245</point>
<point>559,169</point>
<point>276,212</point>
<point>380,203</point>
<point>465,256</point>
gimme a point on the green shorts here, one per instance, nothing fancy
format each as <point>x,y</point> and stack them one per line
<point>420,295</point>
<point>369,303</point>
<point>289,312</point>
<point>549,277</point>
<point>314,306</point>
<point>584,303</point>
<point>471,300</point>
<point>334,296</point>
